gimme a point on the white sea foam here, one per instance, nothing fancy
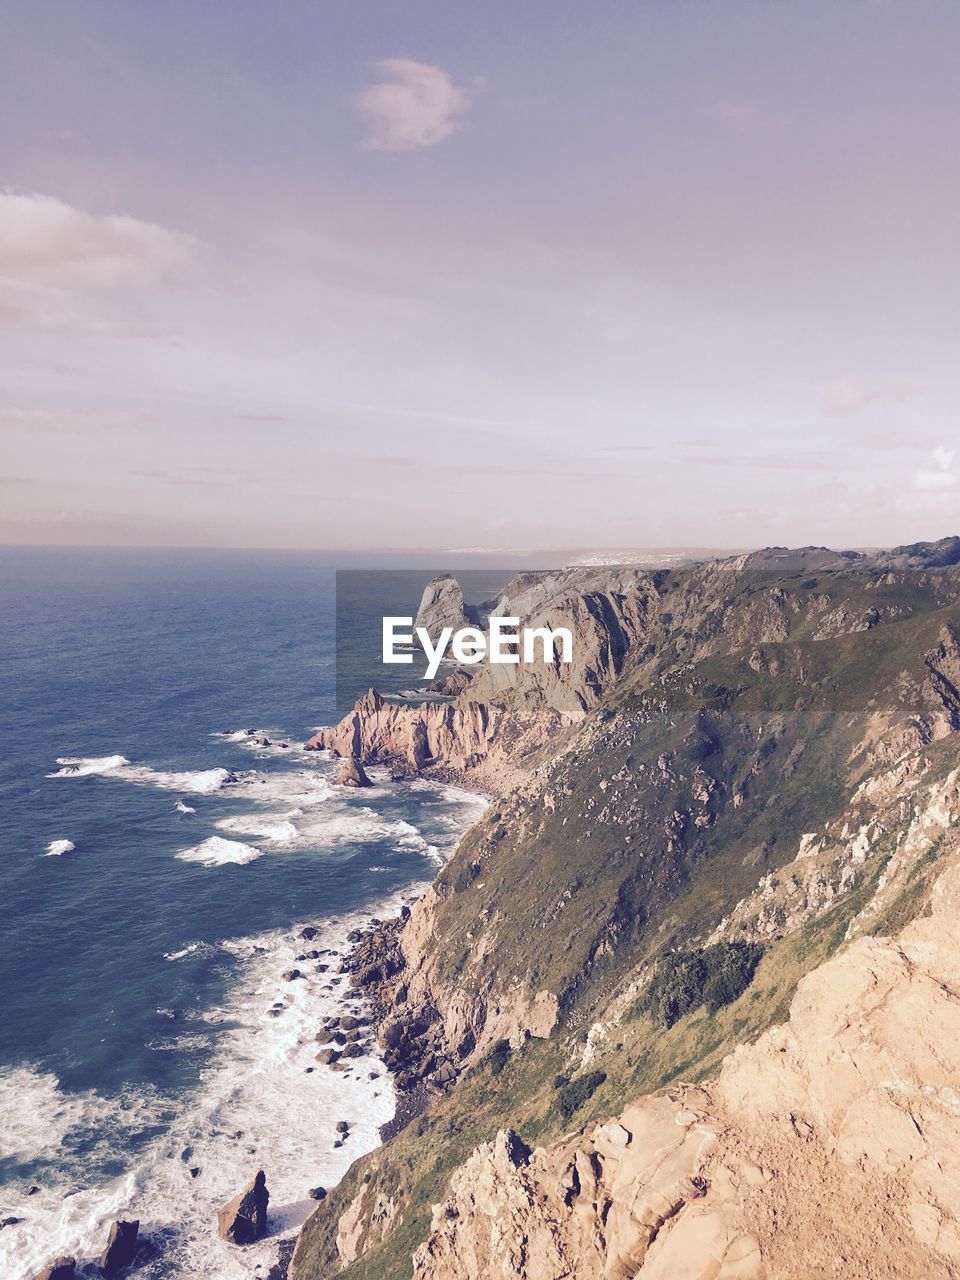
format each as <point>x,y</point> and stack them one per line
<point>276,827</point>
<point>261,1100</point>
<point>85,766</point>
<point>255,1106</point>
<point>56,848</point>
<point>200,782</point>
<point>217,852</point>
<point>184,808</point>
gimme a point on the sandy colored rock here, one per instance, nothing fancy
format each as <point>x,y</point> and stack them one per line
<point>62,1268</point>
<point>353,774</point>
<point>244,1219</point>
<point>831,1146</point>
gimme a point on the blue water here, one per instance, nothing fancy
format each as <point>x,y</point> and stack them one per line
<point>112,1053</point>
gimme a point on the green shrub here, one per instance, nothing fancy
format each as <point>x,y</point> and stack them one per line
<point>466,877</point>
<point>498,1056</point>
<point>712,976</point>
<point>572,1096</point>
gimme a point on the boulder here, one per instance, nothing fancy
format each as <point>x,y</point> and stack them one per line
<point>244,1219</point>
<point>353,774</point>
<point>59,1269</point>
<point>121,1245</point>
<point>318,1193</point>
<point>290,975</point>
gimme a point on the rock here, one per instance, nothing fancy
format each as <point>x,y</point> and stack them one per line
<point>290,975</point>
<point>32,1191</point>
<point>441,605</point>
<point>318,1193</point>
<point>327,1056</point>
<point>353,774</point>
<point>121,1245</point>
<point>348,1022</point>
<point>244,1219</point>
<point>343,1126</point>
<point>10,1222</point>
<point>308,934</point>
<point>60,1269</point>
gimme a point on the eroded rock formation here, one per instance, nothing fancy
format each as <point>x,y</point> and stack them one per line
<point>244,1219</point>
<point>831,1146</point>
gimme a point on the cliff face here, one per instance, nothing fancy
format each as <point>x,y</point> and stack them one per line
<point>830,1146</point>
<point>749,755</point>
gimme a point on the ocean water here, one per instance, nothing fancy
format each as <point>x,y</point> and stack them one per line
<point>157,865</point>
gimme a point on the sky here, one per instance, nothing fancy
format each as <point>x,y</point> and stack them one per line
<point>294,273</point>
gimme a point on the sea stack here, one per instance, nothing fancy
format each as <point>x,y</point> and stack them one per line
<point>244,1219</point>
<point>353,774</point>
<point>121,1246</point>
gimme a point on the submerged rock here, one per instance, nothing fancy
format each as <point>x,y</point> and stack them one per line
<point>121,1245</point>
<point>353,774</point>
<point>244,1219</point>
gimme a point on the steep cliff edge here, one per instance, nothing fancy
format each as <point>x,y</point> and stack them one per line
<point>769,760</point>
<point>830,1146</point>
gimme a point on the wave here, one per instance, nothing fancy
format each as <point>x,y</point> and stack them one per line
<point>56,848</point>
<point>262,1101</point>
<point>200,782</point>
<point>85,766</point>
<point>184,808</point>
<point>217,852</point>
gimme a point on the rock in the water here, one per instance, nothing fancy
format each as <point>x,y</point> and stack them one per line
<point>290,975</point>
<point>318,1193</point>
<point>121,1246</point>
<point>59,1269</point>
<point>353,774</point>
<point>244,1219</point>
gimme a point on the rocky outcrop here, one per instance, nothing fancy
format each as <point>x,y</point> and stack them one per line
<point>121,1246</point>
<point>244,1219</point>
<point>60,1269</point>
<point>353,774</point>
<point>830,1146</point>
<point>441,605</point>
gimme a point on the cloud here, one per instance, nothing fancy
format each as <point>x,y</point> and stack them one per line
<point>47,242</point>
<point>59,263</point>
<point>414,105</point>
<point>850,395</point>
<point>941,474</point>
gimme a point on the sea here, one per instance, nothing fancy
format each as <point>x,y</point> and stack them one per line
<point>164,839</point>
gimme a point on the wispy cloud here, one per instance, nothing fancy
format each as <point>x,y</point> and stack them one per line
<point>414,105</point>
<point>57,262</point>
<point>848,396</point>
<point>939,475</point>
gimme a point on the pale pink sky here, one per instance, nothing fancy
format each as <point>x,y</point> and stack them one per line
<point>317,275</point>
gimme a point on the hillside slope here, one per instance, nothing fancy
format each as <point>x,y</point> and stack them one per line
<point>756,757</point>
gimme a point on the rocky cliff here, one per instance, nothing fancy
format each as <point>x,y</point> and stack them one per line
<point>831,1146</point>
<point>753,766</point>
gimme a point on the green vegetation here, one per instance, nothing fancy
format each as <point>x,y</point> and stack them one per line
<point>712,976</point>
<point>572,1096</point>
<point>498,1056</point>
